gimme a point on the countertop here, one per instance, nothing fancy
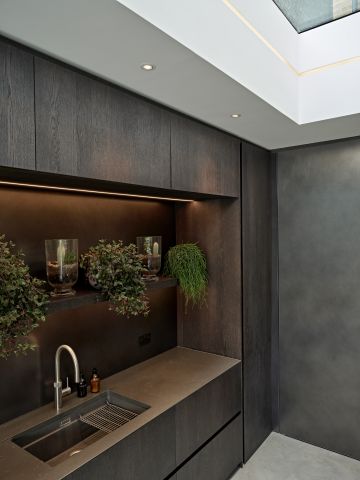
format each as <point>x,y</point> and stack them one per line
<point>161,382</point>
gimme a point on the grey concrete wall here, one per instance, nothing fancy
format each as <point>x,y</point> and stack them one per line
<point>319,295</point>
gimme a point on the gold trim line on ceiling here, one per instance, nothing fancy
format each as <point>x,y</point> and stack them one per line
<point>296,72</point>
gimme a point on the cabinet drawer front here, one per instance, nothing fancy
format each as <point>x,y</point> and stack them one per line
<point>205,412</point>
<point>203,159</point>
<point>147,454</point>
<point>89,128</point>
<point>219,458</point>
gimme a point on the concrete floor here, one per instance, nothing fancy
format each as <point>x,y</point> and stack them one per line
<point>283,458</point>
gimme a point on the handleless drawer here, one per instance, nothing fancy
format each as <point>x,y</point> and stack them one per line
<point>205,412</point>
<point>219,458</point>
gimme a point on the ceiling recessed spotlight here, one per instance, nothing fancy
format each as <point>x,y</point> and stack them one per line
<point>148,67</point>
<point>235,115</point>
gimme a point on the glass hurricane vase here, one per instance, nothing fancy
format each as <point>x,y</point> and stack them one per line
<point>150,248</point>
<point>62,265</point>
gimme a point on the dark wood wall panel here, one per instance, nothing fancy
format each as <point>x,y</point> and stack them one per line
<point>89,128</point>
<point>216,327</point>
<point>17,125</point>
<point>256,238</point>
<point>204,159</point>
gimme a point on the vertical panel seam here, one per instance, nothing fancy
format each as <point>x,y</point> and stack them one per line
<point>34,100</point>
<point>170,148</point>
<point>242,296</point>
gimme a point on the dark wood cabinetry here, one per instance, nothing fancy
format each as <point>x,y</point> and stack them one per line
<point>200,437</point>
<point>17,130</point>
<point>218,459</point>
<point>88,128</point>
<point>147,454</point>
<point>256,241</point>
<point>203,159</point>
<point>200,416</point>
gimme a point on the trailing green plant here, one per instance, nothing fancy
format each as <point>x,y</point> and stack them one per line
<point>187,263</point>
<point>117,270</point>
<point>22,301</point>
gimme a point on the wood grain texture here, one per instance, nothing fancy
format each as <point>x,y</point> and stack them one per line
<point>203,159</point>
<point>215,327</point>
<point>201,415</point>
<point>147,454</point>
<point>256,238</point>
<point>89,128</point>
<point>219,459</point>
<point>17,124</point>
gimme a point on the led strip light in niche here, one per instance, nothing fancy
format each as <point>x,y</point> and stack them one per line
<point>92,192</point>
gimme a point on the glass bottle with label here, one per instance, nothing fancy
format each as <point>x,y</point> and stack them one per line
<point>95,382</point>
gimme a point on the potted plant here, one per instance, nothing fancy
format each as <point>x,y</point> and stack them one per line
<point>187,263</point>
<point>117,269</point>
<point>22,301</point>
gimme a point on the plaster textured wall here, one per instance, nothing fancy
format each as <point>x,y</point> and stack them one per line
<point>319,295</point>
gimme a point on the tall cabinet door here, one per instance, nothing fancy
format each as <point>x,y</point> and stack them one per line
<point>203,159</point>
<point>89,128</point>
<point>17,129</point>
<point>256,241</point>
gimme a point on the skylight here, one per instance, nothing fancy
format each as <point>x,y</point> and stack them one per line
<point>306,14</point>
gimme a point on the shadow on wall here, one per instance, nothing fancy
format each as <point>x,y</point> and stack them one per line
<point>99,337</point>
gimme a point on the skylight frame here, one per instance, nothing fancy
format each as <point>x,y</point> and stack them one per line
<point>325,22</point>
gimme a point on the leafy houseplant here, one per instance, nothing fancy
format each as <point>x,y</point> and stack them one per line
<point>117,270</point>
<point>22,301</point>
<point>187,263</point>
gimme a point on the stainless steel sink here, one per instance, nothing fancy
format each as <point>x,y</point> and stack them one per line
<point>68,433</point>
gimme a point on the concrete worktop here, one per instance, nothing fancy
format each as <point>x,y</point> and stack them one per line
<point>160,382</point>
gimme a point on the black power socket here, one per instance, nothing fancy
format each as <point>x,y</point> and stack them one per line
<point>144,339</point>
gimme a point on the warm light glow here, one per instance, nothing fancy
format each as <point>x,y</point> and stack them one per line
<point>235,115</point>
<point>321,68</point>
<point>329,65</point>
<point>258,34</point>
<point>148,67</point>
<point>92,192</point>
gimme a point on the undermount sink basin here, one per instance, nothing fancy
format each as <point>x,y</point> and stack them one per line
<point>70,432</point>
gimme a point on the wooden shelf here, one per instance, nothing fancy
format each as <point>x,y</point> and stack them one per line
<point>87,296</point>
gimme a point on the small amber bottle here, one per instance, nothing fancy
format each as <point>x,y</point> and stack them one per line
<point>94,382</point>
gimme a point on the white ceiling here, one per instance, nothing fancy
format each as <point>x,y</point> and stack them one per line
<point>111,41</point>
<point>303,76</point>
